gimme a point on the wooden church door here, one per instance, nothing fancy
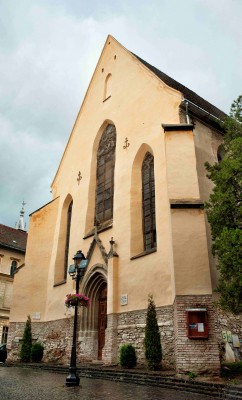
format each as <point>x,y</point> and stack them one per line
<point>102,320</point>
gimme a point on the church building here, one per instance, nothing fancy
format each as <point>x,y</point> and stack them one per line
<point>129,192</point>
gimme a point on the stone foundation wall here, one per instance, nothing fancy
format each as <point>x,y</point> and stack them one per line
<point>131,329</point>
<point>55,335</point>
<point>180,352</point>
<point>233,323</point>
<point>110,350</point>
<point>195,355</point>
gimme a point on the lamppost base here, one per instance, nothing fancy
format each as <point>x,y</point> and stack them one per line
<point>72,379</point>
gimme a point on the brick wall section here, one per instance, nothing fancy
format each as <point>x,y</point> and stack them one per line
<point>195,355</point>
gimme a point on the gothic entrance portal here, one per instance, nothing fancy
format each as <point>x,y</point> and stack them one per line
<point>102,319</point>
<point>93,321</point>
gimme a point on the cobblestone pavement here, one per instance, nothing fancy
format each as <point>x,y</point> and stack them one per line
<point>28,384</point>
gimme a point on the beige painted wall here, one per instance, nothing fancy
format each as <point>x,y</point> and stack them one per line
<point>30,283</point>
<point>207,141</point>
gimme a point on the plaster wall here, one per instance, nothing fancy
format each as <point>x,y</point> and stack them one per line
<point>192,275</point>
<point>207,141</point>
<point>30,283</point>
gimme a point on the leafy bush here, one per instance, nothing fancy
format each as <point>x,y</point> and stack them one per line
<point>37,351</point>
<point>230,369</point>
<point>127,357</point>
<point>153,351</point>
<point>27,342</point>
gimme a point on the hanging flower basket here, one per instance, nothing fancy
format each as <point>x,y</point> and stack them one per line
<point>73,300</point>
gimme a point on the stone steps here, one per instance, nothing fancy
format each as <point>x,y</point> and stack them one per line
<point>233,393</point>
<point>211,390</point>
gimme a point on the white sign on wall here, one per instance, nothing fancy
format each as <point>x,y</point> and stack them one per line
<point>124,299</point>
<point>36,315</point>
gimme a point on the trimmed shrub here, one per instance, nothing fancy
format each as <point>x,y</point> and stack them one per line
<point>37,351</point>
<point>153,351</point>
<point>127,356</point>
<point>27,342</point>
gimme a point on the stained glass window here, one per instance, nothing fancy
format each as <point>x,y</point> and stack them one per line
<point>105,175</point>
<point>148,202</point>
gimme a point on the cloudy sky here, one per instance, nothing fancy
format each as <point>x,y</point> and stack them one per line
<point>48,52</point>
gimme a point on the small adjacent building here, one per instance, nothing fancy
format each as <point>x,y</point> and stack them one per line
<point>12,255</point>
<point>129,192</point>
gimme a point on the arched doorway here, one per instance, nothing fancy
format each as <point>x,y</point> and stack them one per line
<point>102,319</point>
<point>93,321</point>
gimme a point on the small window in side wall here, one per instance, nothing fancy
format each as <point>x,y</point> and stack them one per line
<point>148,202</point>
<point>13,267</point>
<point>107,87</point>
<point>220,153</point>
<point>4,335</point>
<point>68,229</point>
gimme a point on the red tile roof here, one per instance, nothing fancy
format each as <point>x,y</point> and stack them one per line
<point>13,238</point>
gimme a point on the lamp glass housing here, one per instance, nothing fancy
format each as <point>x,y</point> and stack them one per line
<point>72,269</point>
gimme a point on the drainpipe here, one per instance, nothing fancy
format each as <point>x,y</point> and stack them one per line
<point>187,116</point>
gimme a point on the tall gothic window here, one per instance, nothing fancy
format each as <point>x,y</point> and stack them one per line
<point>68,229</point>
<point>148,202</point>
<point>105,175</point>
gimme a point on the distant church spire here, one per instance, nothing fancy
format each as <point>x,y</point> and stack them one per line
<point>20,224</point>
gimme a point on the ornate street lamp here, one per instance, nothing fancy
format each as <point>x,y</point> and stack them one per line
<point>76,271</point>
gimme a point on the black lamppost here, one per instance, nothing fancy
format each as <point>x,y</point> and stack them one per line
<point>76,271</point>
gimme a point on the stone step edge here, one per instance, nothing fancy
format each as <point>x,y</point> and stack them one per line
<point>210,389</point>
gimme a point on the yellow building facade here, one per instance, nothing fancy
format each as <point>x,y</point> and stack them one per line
<point>12,254</point>
<point>129,192</point>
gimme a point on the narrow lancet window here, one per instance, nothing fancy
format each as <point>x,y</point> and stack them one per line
<point>105,175</point>
<point>68,229</point>
<point>148,202</point>
<point>107,87</point>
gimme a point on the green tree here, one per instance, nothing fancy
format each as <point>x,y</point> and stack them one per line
<point>27,342</point>
<point>153,351</point>
<point>224,211</point>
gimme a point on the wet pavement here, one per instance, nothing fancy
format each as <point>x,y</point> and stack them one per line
<point>29,384</point>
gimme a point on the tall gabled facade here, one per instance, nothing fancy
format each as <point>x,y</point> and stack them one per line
<point>129,192</point>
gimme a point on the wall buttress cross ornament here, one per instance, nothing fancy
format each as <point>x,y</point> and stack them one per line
<point>126,143</point>
<point>79,178</point>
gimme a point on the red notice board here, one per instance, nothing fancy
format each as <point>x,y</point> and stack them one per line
<point>197,323</point>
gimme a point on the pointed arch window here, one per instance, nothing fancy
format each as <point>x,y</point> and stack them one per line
<point>105,175</point>
<point>148,202</point>
<point>68,229</point>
